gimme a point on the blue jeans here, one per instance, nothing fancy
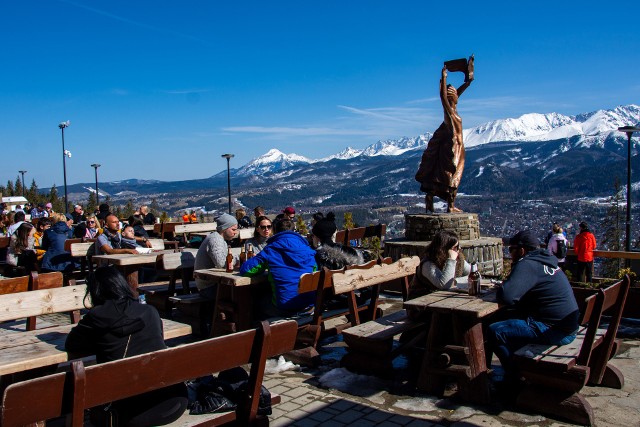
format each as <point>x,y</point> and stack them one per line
<point>509,335</point>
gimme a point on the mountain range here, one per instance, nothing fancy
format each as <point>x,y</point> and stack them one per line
<point>535,154</point>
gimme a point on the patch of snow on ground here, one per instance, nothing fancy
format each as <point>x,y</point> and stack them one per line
<point>418,404</point>
<point>274,366</point>
<point>480,170</point>
<point>348,382</point>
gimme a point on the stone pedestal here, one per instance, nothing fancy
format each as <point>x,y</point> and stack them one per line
<point>421,228</point>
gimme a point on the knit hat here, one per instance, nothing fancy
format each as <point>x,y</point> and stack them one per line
<point>289,210</point>
<point>583,225</point>
<point>325,228</point>
<point>525,239</point>
<point>49,205</point>
<point>225,221</point>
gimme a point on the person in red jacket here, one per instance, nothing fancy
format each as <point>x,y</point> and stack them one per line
<point>584,245</point>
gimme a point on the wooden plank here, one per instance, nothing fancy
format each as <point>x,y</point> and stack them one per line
<point>11,286</point>
<point>352,280</point>
<point>381,328</point>
<point>22,351</point>
<point>231,279</point>
<point>184,259</point>
<point>195,228</point>
<point>130,259</point>
<point>45,301</point>
<point>80,249</point>
<point>157,244</point>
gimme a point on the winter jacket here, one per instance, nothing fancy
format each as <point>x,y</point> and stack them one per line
<point>336,257</point>
<point>212,253</point>
<point>538,288</point>
<point>105,331</point>
<point>56,258</point>
<point>584,244</point>
<point>287,256</point>
<point>443,279</point>
<point>12,255</point>
<point>552,246</point>
<point>257,244</point>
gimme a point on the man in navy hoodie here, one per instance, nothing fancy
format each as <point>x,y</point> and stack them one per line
<point>544,310</point>
<point>287,256</point>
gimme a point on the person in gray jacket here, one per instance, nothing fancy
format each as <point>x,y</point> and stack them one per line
<point>213,252</point>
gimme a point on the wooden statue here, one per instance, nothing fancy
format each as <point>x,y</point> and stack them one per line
<point>442,162</point>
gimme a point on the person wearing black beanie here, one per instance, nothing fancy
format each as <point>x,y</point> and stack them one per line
<point>328,253</point>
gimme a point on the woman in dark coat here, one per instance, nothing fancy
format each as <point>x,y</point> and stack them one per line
<point>56,258</point>
<point>118,326</point>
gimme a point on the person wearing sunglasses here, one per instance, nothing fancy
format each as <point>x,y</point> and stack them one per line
<point>93,229</point>
<point>264,230</point>
<point>441,265</point>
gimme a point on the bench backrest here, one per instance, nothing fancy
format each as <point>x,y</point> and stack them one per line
<point>16,284</point>
<point>157,244</point>
<point>195,228</point>
<point>42,301</point>
<point>611,300</point>
<point>81,249</point>
<point>86,387</point>
<point>354,279</point>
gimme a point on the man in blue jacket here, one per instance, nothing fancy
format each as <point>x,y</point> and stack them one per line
<point>287,256</point>
<point>544,310</point>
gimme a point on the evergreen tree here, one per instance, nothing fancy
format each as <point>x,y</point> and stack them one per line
<point>32,193</point>
<point>129,209</point>
<point>54,199</point>
<point>611,226</point>
<point>91,202</point>
<point>8,191</point>
<point>348,221</point>
<point>17,189</point>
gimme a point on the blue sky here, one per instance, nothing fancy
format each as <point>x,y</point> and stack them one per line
<point>159,90</point>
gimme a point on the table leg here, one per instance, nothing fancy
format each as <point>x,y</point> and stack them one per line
<point>243,301</point>
<point>477,389</point>
<point>130,272</point>
<point>429,380</point>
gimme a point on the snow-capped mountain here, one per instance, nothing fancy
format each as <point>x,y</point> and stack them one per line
<point>273,161</point>
<point>395,147</point>
<point>552,126</point>
<point>347,153</point>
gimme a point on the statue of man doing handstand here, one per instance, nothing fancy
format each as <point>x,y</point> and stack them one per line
<point>442,162</point>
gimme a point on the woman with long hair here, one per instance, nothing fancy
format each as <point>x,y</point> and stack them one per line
<point>118,326</point>
<point>21,251</point>
<point>263,230</point>
<point>441,265</point>
<point>329,254</point>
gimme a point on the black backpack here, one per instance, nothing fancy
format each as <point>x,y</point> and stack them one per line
<point>561,249</point>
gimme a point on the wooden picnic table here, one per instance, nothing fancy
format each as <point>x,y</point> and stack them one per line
<point>455,345</point>
<point>234,294</point>
<point>149,227</point>
<point>22,351</point>
<point>128,264</point>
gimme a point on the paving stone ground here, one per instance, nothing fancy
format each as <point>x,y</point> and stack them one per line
<point>305,402</point>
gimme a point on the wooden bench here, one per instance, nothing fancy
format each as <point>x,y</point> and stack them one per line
<point>555,375</point>
<point>179,267</point>
<point>186,229</point>
<point>346,237</point>
<point>371,344</point>
<point>85,387</point>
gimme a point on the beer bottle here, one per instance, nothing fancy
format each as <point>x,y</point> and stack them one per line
<point>250,251</point>
<point>229,263</point>
<point>474,280</point>
<point>243,256</point>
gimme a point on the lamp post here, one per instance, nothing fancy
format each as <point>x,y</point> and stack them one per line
<point>22,173</point>
<point>65,153</point>
<point>95,166</point>
<point>228,157</point>
<point>629,130</point>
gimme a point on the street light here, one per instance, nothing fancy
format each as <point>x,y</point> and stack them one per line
<point>95,166</point>
<point>65,153</point>
<point>228,157</point>
<point>629,130</point>
<point>22,173</point>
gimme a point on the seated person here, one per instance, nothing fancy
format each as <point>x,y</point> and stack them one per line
<point>110,241</point>
<point>147,217</point>
<point>43,225</point>
<point>118,326</point>
<point>243,220</point>
<point>18,219</point>
<point>140,234</point>
<point>542,302</point>
<point>128,238</point>
<point>21,252</point>
<point>78,214</point>
<point>213,251</point>
<point>286,257</point>
<point>262,232</point>
<point>441,265</point>
<point>332,255</point>
<point>56,258</point>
